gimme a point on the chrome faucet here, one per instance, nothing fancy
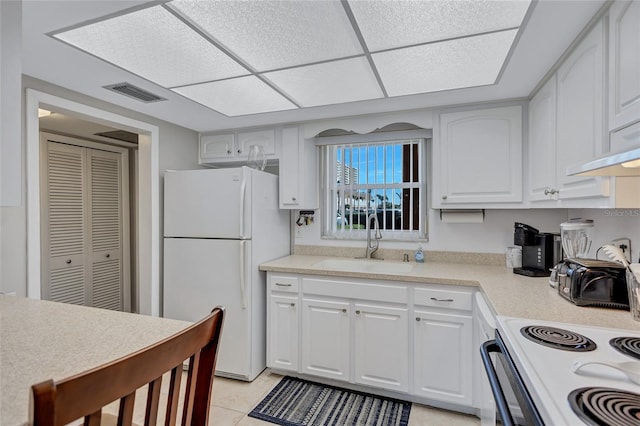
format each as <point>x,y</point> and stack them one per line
<point>372,246</point>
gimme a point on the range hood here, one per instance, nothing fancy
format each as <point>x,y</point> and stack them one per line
<point>625,163</point>
<point>624,160</point>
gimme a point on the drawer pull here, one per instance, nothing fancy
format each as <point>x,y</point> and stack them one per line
<point>435,299</point>
<point>293,305</point>
<point>283,285</point>
<point>68,261</point>
<point>344,310</point>
<point>357,312</point>
<point>418,319</point>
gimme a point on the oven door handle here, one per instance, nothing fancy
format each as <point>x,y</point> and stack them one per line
<point>496,388</point>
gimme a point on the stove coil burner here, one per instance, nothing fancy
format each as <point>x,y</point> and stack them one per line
<point>606,406</point>
<point>627,345</point>
<point>558,338</point>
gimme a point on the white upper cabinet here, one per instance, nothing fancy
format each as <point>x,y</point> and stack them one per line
<point>234,147</point>
<point>478,158</point>
<point>580,133</point>
<point>542,143</point>
<point>217,147</point>
<point>624,63</point>
<point>265,139</point>
<point>566,119</point>
<point>298,171</point>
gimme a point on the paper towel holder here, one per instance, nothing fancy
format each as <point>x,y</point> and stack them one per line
<point>462,215</point>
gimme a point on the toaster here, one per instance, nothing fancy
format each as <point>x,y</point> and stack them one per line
<point>592,282</point>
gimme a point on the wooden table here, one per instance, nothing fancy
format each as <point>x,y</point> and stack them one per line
<point>42,340</point>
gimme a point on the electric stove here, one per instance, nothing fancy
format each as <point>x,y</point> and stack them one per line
<point>543,354</point>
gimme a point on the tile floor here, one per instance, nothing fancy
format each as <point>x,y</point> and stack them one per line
<point>232,400</point>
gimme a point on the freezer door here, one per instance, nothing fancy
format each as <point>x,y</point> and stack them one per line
<point>208,203</point>
<point>200,274</point>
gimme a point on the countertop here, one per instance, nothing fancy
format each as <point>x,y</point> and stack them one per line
<point>508,294</point>
<point>42,340</point>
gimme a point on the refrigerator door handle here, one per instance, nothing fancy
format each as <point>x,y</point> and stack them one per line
<point>243,288</point>
<point>243,191</point>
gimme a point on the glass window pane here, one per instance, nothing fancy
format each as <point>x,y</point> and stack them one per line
<point>381,178</point>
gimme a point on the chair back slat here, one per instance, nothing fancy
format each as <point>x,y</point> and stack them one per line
<point>61,402</point>
<point>173,397</point>
<point>93,419</point>
<point>189,390</point>
<point>125,411</point>
<point>153,402</point>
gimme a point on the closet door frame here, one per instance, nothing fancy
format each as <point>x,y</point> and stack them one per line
<point>125,213</point>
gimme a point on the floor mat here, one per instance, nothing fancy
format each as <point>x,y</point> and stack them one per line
<point>296,402</point>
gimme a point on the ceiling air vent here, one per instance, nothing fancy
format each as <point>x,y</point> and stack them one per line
<point>132,91</point>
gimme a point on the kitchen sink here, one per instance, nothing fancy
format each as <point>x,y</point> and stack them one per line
<point>364,265</point>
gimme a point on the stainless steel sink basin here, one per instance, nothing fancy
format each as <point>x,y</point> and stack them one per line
<point>364,265</point>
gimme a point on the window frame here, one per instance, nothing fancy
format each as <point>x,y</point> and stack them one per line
<point>330,229</point>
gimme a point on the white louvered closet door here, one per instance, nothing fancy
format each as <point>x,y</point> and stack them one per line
<point>83,233</point>
<point>64,209</point>
<point>105,231</point>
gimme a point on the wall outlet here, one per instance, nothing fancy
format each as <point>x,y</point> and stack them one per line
<point>623,244</point>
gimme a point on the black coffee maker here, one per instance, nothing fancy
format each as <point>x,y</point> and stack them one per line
<point>541,251</point>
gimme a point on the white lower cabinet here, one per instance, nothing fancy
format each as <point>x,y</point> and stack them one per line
<point>326,337</point>
<point>283,333</point>
<point>381,346</point>
<point>443,356</point>
<point>373,334</point>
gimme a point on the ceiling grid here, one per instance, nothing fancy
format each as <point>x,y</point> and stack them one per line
<point>244,57</point>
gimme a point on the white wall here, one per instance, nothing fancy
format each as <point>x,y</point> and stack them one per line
<point>496,232</point>
<point>10,75</point>
<point>610,224</point>
<point>491,236</point>
<point>178,148</point>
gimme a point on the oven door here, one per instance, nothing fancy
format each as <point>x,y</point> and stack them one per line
<point>507,385</point>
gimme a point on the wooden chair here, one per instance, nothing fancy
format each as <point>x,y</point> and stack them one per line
<point>85,395</point>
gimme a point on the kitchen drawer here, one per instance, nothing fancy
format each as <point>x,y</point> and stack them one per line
<point>352,290</point>
<point>444,298</point>
<point>286,283</point>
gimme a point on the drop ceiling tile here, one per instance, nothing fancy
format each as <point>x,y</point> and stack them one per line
<point>328,83</point>
<point>274,34</point>
<point>155,45</point>
<point>465,62</point>
<point>391,24</point>
<point>237,96</point>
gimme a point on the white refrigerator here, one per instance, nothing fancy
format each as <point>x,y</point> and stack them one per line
<point>219,225</point>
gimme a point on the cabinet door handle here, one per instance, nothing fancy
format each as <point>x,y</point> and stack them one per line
<point>68,261</point>
<point>108,255</point>
<point>293,198</point>
<point>435,299</point>
<point>228,152</point>
<point>444,197</point>
<point>293,305</point>
<point>418,319</point>
<point>357,312</point>
<point>283,285</point>
<point>344,310</point>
